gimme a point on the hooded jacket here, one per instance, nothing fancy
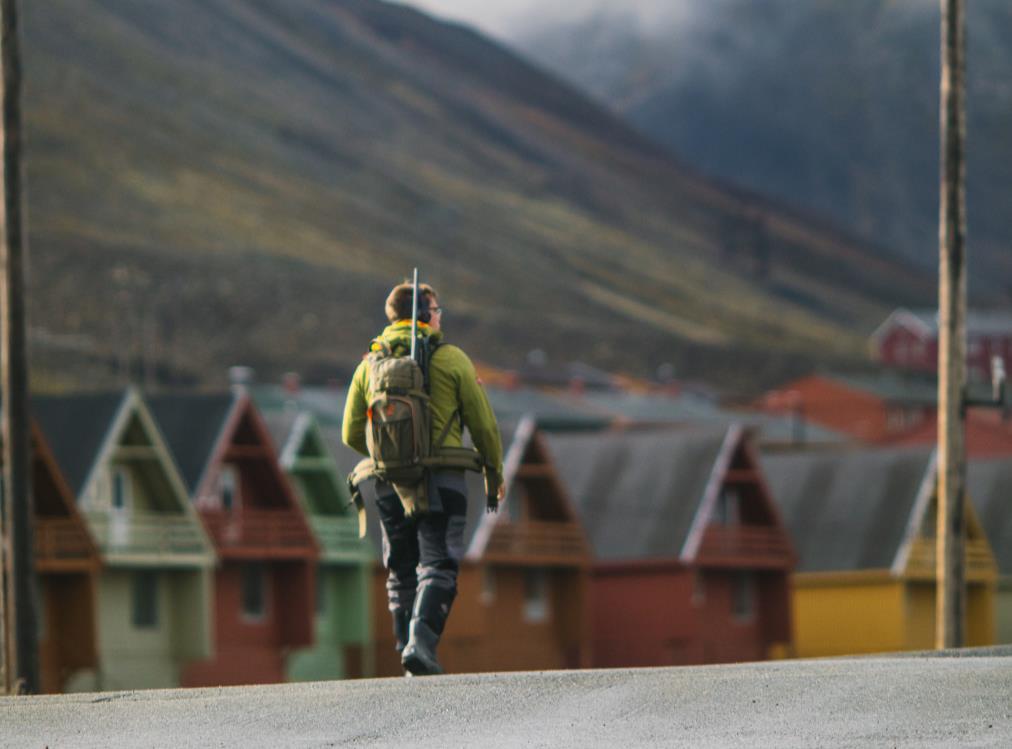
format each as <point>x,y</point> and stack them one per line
<point>453,387</point>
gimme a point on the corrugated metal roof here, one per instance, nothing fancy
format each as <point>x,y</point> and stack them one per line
<point>637,491</point>
<point>75,426</point>
<point>989,483</point>
<point>191,424</point>
<point>847,510</point>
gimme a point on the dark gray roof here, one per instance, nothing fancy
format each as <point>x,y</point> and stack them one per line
<point>989,483</point>
<point>191,424</point>
<point>847,510</point>
<point>637,491</point>
<point>280,423</point>
<point>75,426</point>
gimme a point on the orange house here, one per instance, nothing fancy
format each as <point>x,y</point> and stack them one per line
<point>692,557</point>
<point>523,585</point>
<point>67,564</point>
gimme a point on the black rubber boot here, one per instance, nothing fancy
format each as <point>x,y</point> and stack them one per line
<point>432,607</point>
<point>402,628</point>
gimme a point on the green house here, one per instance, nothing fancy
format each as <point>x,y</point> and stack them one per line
<point>343,646</point>
<point>154,584</point>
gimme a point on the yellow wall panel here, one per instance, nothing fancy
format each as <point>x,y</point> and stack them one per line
<point>857,617</point>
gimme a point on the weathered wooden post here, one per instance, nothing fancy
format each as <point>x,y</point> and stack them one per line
<point>950,607</point>
<point>23,659</point>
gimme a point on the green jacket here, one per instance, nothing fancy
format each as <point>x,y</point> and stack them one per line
<point>453,386</point>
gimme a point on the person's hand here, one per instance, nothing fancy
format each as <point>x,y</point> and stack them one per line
<point>501,494</point>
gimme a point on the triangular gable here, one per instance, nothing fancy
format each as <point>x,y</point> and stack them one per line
<point>737,497</point>
<point>905,319</point>
<point>535,496</point>
<point>920,536</point>
<point>61,535</point>
<point>305,455</point>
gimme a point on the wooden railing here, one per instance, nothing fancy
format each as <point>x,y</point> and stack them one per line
<point>734,545</point>
<point>163,534</point>
<point>257,532</point>
<point>979,561</point>
<point>338,538</point>
<point>538,541</point>
<point>61,540</point>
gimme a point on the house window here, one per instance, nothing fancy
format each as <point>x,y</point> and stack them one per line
<point>321,593</point>
<point>535,596</point>
<point>728,507</point>
<point>488,586</point>
<point>229,481</point>
<point>743,603</point>
<point>145,600</point>
<point>121,488</point>
<point>254,591</point>
<point>698,589</point>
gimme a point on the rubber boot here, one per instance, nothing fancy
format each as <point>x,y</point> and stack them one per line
<point>402,627</point>
<point>432,607</point>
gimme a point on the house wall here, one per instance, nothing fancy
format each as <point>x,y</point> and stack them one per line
<point>848,616</point>
<point>490,628</point>
<point>644,617</point>
<point>67,628</point>
<point>920,612</point>
<point>1003,610</point>
<point>902,349</point>
<point>247,651</point>
<point>343,646</point>
<point>129,657</point>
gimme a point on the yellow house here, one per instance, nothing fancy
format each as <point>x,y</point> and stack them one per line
<point>990,487</point>
<point>863,524</point>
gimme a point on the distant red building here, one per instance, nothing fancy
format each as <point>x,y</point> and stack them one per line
<point>868,408</point>
<point>265,592</point>
<point>691,556</point>
<point>909,341</point>
<point>987,435</point>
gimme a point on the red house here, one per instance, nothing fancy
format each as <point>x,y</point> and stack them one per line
<point>265,584</point>
<point>908,340</point>
<point>691,555</point>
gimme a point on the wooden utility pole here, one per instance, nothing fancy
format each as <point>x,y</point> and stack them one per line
<point>22,663</point>
<point>950,609</point>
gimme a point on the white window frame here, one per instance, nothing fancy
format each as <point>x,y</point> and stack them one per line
<point>229,480</point>
<point>259,616</point>
<point>536,606</point>
<point>743,597</point>
<point>120,475</point>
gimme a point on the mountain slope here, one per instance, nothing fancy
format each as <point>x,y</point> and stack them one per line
<point>223,181</point>
<point>831,107</point>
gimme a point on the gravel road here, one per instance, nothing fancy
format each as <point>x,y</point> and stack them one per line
<point>909,701</point>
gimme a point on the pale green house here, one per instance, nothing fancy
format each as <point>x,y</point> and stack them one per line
<point>343,646</point>
<point>154,586</point>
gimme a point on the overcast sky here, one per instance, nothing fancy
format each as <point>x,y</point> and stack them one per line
<point>500,17</point>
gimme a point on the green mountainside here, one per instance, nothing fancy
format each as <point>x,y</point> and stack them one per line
<point>215,182</point>
<point>829,106</point>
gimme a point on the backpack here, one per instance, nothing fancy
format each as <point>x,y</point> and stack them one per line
<point>399,418</point>
<point>398,431</point>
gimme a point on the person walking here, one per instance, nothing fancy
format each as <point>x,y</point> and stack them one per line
<point>422,519</point>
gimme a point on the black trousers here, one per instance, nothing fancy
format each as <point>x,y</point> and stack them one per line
<point>423,550</point>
